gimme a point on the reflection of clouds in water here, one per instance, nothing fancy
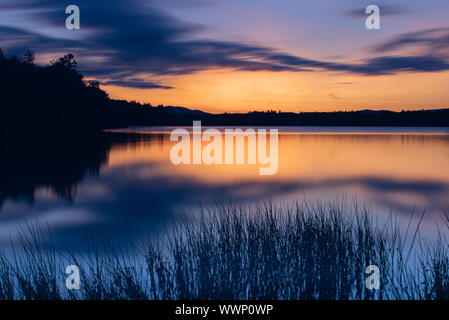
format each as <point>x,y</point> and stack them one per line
<point>53,219</point>
<point>137,203</point>
<point>140,188</point>
<point>92,191</point>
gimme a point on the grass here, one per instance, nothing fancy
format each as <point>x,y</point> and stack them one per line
<point>236,252</point>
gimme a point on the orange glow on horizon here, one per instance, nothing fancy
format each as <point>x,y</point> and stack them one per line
<point>242,91</point>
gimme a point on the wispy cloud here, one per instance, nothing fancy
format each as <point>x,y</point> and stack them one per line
<point>136,83</point>
<point>432,41</point>
<point>385,10</point>
<point>130,38</point>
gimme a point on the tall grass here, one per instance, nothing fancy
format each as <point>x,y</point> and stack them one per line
<point>236,252</point>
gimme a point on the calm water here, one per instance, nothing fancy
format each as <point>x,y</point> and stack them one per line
<point>124,183</point>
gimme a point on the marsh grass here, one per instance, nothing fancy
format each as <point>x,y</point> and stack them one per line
<point>237,252</point>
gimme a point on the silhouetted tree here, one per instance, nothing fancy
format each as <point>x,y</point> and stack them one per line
<point>93,84</point>
<point>56,96</point>
<point>67,61</point>
<point>28,57</point>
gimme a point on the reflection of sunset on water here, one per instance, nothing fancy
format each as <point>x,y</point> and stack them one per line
<point>398,172</point>
<point>133,182</point>
<point>312,156</point>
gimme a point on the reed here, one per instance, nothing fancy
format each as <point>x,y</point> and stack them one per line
<point>237,252</point>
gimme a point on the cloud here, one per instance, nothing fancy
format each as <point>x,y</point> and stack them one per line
<point>121,40</point>
<point>375,66</point>
<point>432,41</point>
<point>393,64</point>
<point>385,11</point>
<point>345,83</point>
<point>18,40</point>
<point>136,83</point>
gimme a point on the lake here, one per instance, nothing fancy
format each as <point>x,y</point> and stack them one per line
<point>123,183</point>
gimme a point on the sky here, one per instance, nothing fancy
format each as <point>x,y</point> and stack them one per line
<point>245,55</point>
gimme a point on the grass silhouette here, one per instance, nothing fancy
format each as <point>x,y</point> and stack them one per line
<point>236,252</point>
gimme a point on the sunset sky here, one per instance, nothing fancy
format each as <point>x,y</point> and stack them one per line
<point>241,55</point>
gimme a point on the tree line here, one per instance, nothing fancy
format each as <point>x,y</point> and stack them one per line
<point>57,96</point>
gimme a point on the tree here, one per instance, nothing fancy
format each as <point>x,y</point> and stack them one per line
<point>68,61</point>
<point>93,84</point>
<point>28,57</point>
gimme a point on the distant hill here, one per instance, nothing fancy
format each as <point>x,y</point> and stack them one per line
<point>184,111</point>
<point>369,111</point>
<point>430,118</point>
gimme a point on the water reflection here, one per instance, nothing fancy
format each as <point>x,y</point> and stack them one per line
<point>122,181</point>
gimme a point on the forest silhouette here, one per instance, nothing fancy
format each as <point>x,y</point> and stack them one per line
<point>56,96</point>
<point>55,162</point>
